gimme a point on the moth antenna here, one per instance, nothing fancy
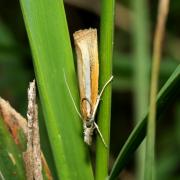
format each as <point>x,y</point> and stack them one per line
<point>71,96</point>
<point>110,79</point>
<point>101,136</point>
<point>99,96</point>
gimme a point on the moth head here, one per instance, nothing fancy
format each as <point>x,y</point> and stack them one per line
<point>89,123</point>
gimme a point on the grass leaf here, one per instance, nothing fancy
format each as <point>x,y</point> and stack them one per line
<point>52,54</point>
<point>165,96</point>
<point>140,76</point>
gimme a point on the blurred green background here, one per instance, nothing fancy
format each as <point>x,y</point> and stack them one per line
<point>16,70</point>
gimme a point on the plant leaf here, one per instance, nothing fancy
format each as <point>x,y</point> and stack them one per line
<point>11,160</point>
<point>165,96</point>
<point>49,39</point>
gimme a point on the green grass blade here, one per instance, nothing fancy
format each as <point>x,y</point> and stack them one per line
<point>165,96</point>
<point>11,160</point>
<point>106,50</point>
<point>49,39</point>
<point>141,78</point>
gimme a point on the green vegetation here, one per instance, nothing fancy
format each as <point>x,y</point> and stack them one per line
<point>124,52</point>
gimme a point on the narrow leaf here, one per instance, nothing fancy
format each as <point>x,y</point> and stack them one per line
<point>167,93</point>
<point>140,77</point>
<point>49,39</point>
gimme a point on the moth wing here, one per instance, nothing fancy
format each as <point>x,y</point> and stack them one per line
<point>88,69</point>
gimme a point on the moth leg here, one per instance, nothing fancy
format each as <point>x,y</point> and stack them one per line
<point>95,109</point>
<point>101,136</point>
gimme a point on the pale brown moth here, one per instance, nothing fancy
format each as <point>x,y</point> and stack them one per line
<point>88,75</point>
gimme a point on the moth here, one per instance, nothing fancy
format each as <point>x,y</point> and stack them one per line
<point>86,46</point>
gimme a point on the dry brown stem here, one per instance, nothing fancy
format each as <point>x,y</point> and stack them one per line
<point>32,156</point>
<point>157,49</point>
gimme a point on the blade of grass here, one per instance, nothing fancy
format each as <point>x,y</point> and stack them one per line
<point>106,50</point>
<point>167,93</point>
<point>141,78</point>
<point>49,39</point>
<point>149,171</point>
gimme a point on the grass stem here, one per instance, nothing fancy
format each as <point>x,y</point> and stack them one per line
<point>106,50</point>
<point>151,126</point>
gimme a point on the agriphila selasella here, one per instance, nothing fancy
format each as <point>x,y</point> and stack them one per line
<point>88,74</point>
